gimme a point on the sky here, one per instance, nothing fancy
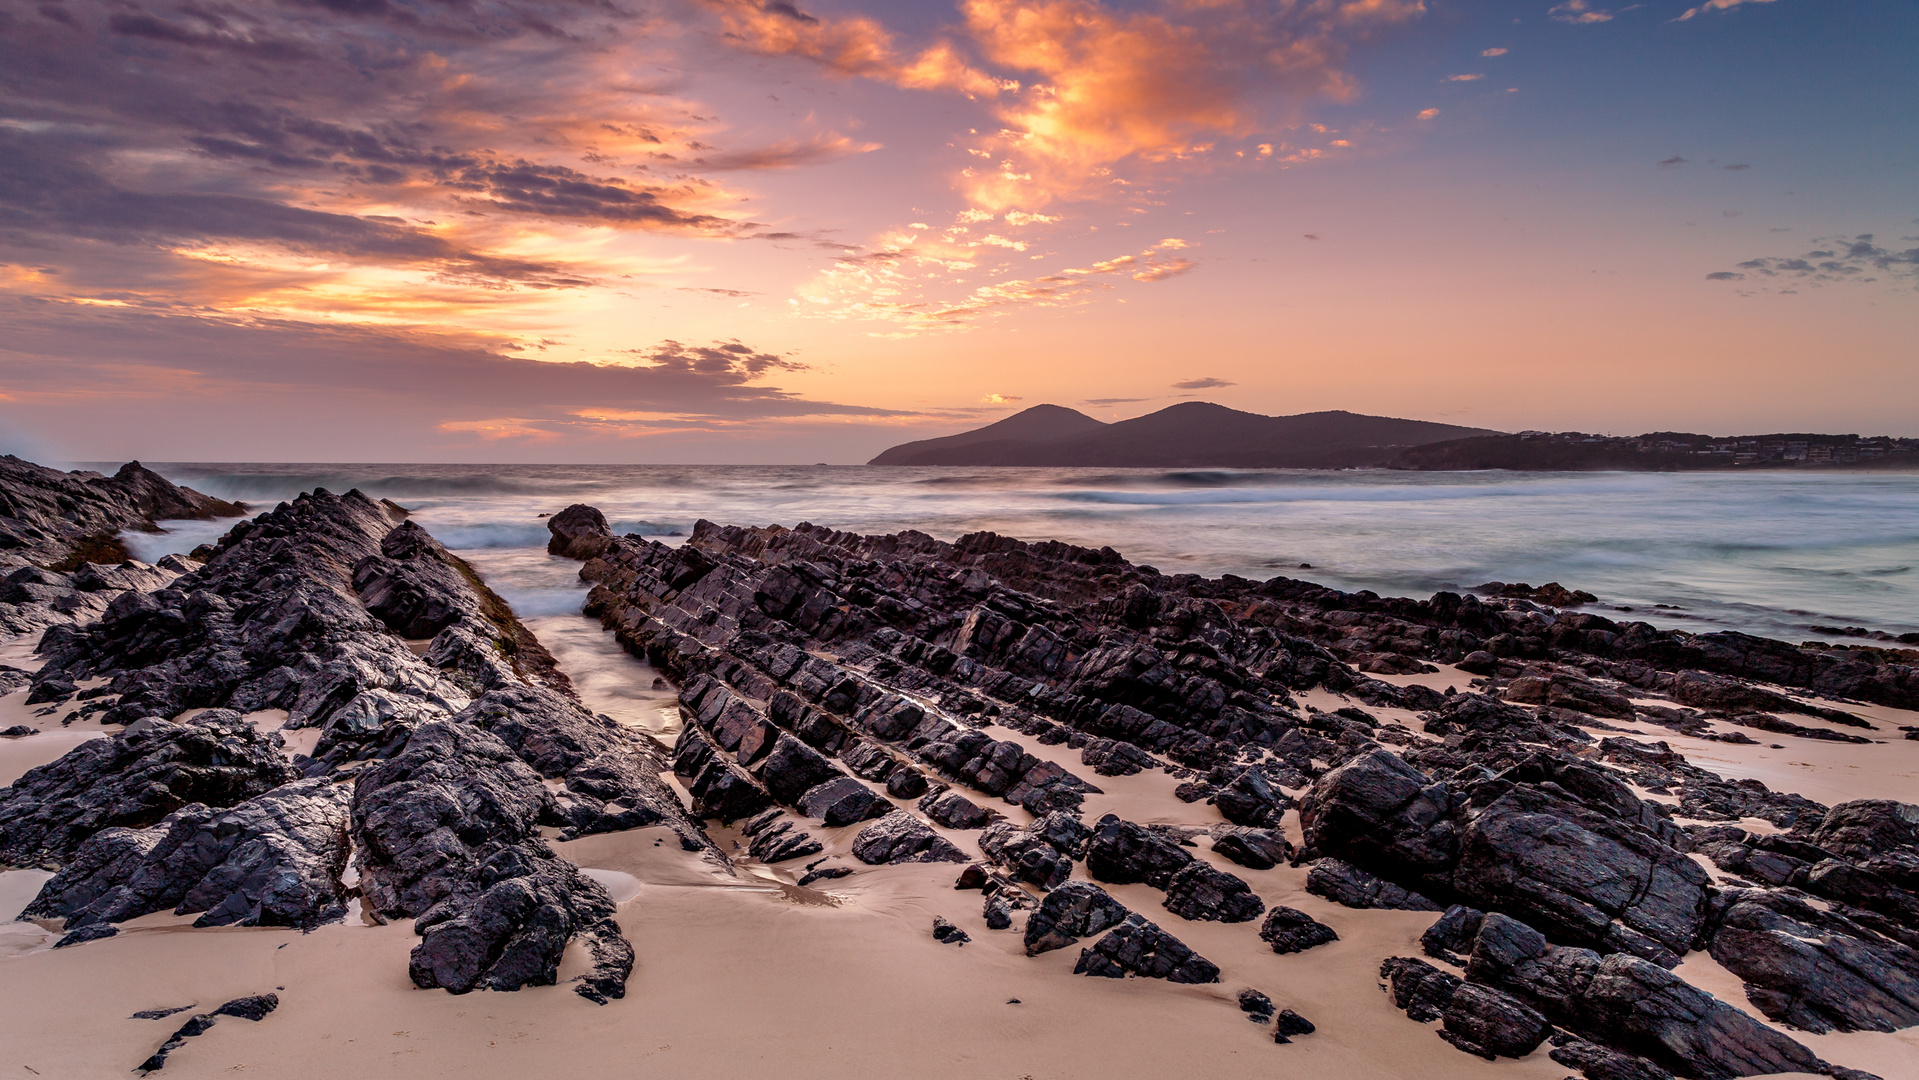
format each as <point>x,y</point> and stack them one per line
<point>746,231</point>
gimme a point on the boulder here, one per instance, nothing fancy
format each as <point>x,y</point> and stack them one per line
<point>1139,947</point>
<point>843,801</point>
<point>1816,970</point>
<point>1289,930</point>
<point>949,809</point>
<point>1251,800</point>
<point>1868,827</point>
<point>1072,911</point>
<point>1121,852</point>
<point>1255,849</point>
<point>1344,883</point>
<point>899,837</point>
<point>1201,893</point>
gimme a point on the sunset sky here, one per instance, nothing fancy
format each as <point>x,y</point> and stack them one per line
<point>728,231</point>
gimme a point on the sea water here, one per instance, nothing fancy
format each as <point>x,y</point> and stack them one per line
<point>1774,553</point>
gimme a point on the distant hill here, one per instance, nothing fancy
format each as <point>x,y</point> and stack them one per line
<point>1193,434</point>
<point>1660,451</point>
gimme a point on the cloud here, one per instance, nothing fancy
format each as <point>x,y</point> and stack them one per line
<point>1579,12</point>
<point>1428,114</point>
<point>1462,78</point>
<point>1736,168</point>
<point>1856,259</point>
<point>1080,87</point>
<point>999,399</point>
<point>1717,5</point>
<point>787,153</point>
<point>1673,161</point>
<point>1102,401</point>
<point>1206,383</point>
<point>1495,52</point>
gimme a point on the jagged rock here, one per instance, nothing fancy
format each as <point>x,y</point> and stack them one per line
<point>414,585</point>
<point>19,731</point>
<point>949,809</point>
<point>1344,883</point>
<point>92,932</point>
<point>446,833</point>
<point>53,518</point>
<point>843,801</point>
<point>253,1008</point>
<point>1452,933</point>
<point>274,860</point>
<point>1376,810</point>
<point>1419,989</point>
<point>1250,800</point>
<point>1481,1020</point>
<point>1255,849</point>
<point>1037,853</point>
<point>1602,1063</point>
<point>947,934</point>
<point>774,837</point>
<point>1631,1004</point>
<point>1816,970</point>
<point>1112,757</point>
<point>1289,930</point>
<point>1139,947</point>
<point>1257,1006</point>
<point>134,779</point>
<point>1199,892</point>
<point>1288,1024</point>
<point>792,768</point>
<point>1869,827</point>
<point>905,784</point>
<point>578,532</point>
<point>899,837</point>
<point>1072,911</point>
<point>997,912</point>
<point>1121,852</point>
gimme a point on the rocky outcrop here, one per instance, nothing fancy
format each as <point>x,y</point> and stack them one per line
<point>899,837</point>
<point>254,1008</point>
<point>60,520</point>
<point>1815,969</point>
<point>1289,930</point>
<point>274,860</point>
<point>1138,947</point>
<point>1075,910</point>
<point>134,779</point>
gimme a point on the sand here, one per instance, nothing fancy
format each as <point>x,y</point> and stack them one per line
<point>741,972</point>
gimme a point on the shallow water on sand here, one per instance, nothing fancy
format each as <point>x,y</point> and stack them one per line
<point>1770,553</point>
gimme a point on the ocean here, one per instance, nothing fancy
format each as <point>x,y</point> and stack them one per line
<point>1777,554</point>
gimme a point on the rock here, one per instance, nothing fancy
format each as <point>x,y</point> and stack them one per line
<point>1112,757</point>
<point>899,837</point>
<point>1138,947</point>
<point>90,932</point>
<point>446,833</point>
<point>19,731</point>
<point>274,860</point>
<point>997,912</point>
<point>1250,800</point>
<point>1453,933</point>
<point>1121,852</point>
<point>1288,1024</point>
<point>1478,662</point>
<point>1255,849</point>
<point>1257,1006</point>
<point>253,1008</point>
<point>949,809</point>
<point>1346,884</point>
<point>906,784</point>
<point>1419,989</point>
<point>1289,930</point>
<point>578,532</point>
<point>1492,1023</point>
<point>824,873</point>
<point>774,837</point>
<point>61,519</point>
<point>947,934</point>
<point>1631,1004</point>
<point>1602,1063</point>
<point>133,780</point>
<point>1376,810</point>
<point>1816,970</point>
<point>1201,893</point>
<point>843,801</point>
<point>1037,853</point>
<point>1072,911</point>
<point>1869,827</point>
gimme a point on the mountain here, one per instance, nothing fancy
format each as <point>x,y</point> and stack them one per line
<point>1192,434</point>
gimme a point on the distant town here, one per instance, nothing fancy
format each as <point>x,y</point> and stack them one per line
<point>1753,450</point>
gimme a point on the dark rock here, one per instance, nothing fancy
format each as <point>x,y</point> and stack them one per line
<point>90,932</point>
<point>253,1008</point>
<point>1452,933</point>
<point>949,809</point>
<point>1492,1023</point>
<point>899,837</point>
<point>1121,852</point>
<point>774,837</point>
<point>1419,989</point>
<point>843,801</point>
<point>906,784</point>
<point>947,934</point>
<point>1631,1004</point>
<point>1255,849</point>
<point>1376,810</point>
<point>824,873</point>
<point>1072,911</point>
<point>1257,1006</point>
<point>1479,662</point>
<point>1816,970</point>
<point>1037,853</point>
<point>1869,827</point>
<point>274,860</point>
<point>19,731</point>
<point>1199,892</point>
<point>1250,800</point>
<point>1343,883</point>
<point>1288,1024</point>
<point>1289,930</point>
<point>997,912</point>
<point>1139,947</point>
<point>578,532</point>
<point>1602,1063</point>
<point>134,779</point>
